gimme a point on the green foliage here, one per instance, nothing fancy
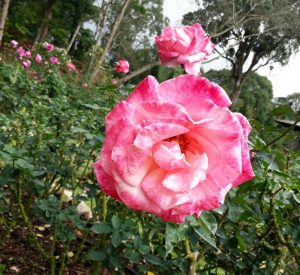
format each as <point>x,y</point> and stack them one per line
<point>26,19</point>
<point>51,133</point>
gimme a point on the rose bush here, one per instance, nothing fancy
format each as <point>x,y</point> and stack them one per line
<point>187,46</point>
<point>174,149</point>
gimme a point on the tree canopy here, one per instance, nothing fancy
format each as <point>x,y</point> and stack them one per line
<point>250,34</point>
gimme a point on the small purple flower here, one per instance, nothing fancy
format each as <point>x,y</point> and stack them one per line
<point>26,64</point>
<point>49,47</point>
<point>28,54</point>
<point>53,60</point>
<point>14,43</point>
<point>21,52</point>
<point>38,58</point>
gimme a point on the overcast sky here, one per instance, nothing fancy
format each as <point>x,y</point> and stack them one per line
<point>285,80</point>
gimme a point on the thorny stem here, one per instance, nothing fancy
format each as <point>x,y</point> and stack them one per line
<point>192,257</point>
<point>80,246</point>
<point>32,236</point>
<point>52,257</point>
<point>63,260</point>
<point>101,241</point>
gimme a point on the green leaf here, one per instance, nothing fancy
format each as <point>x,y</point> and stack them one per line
<point>170,237</point>
<point>241,243</point>
<point>296,197</point>
<point>92,106</point>
<point>144,249</point>
<point>115,260</point>
<point>208,228</point>
<point>116,223</point>
<point>23,164</point>
<point>95,255</point>
<point>153,259</point>
<point>116,238</point>
<point>101,228</point>
<point>37,173</point>
<point>205,235</point>
<point>78,130</point>
<point>209,220</point>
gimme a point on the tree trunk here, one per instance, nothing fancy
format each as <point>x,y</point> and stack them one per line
<point>236,90</point>
<point>99,35</point>
<point>3,18</point>
<point>74,36</point>
<point>109,40</point>
<point>137,72</point>
<point>43,30</point>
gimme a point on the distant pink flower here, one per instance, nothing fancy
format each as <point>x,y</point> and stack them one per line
<point>85,85</point>
<point>49,47</point>
<point>14,43</point>
<point>21,52</point>
<point>54,60</point>
<point>122,66</point>
<point>38,58</point>
<point>71,67</point>
<point>187,46</point>
<point>26,64</point>
<point>174,149</point>
<point>28,54</point>
<point>114,82</point>
<point>45,62</point>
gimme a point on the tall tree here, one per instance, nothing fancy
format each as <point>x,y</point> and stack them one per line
<point>134,37</point>
<point>110,39</point>
<point>3,18</point>
<point>43,30</point>
<point>250,33</point>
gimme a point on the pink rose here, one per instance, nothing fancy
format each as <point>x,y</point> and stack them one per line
<point>187,46</point>
<point>28,54</point>
<point>122,66</point>
<point>54,60</point>
<point>114,82</point>
<point>38,58</point>
<point>21,52</point>
<point>26,64</point>
<point>71,67</point>
<point>49,47</point>
<point>85,85</point>
<point>14,43</point>
<point>174,149</point>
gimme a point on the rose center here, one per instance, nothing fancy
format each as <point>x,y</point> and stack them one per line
<point>182,141</point>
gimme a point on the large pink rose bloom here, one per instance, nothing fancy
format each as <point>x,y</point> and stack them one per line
<point>174,149</point>
<point>187,46</point>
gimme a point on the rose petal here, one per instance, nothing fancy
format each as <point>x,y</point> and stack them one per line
<point>106,182</point>
<point>221,140</point>
<point>247,172</point>
<point>148,88</point>
<point>168,156</point>
<point>158,194</point>
<point>183,180</point>
<point>155,132</point>
<point>184,89</point>
<point>209,195</point>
